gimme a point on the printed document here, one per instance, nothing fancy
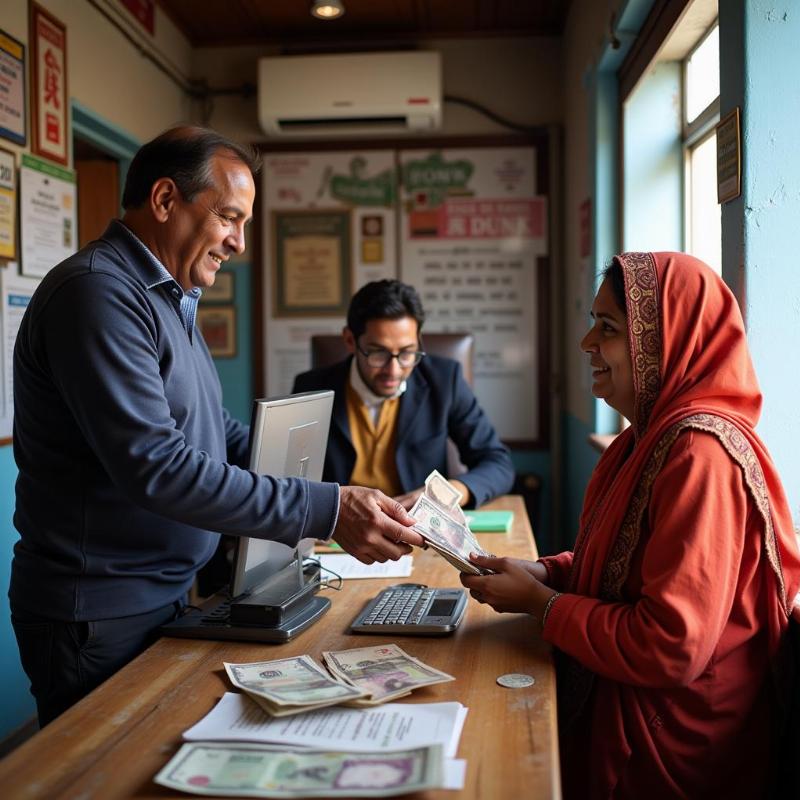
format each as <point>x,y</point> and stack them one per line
<point>392,726</point>
<point>345,566</point>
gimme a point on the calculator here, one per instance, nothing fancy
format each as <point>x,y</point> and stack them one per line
<point>412,609</point>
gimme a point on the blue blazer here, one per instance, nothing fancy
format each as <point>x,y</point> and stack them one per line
<point>437,404</point>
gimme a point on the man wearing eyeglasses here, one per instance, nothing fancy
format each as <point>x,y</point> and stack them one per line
<point>396,406</point>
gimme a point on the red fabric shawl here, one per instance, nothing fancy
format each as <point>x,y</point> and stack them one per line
<point>692,374</point>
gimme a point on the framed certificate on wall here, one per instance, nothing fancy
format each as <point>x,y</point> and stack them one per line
<point>729,157</point>
<point>218,326</point>
<point>222,289</point>
<point>312,262</point>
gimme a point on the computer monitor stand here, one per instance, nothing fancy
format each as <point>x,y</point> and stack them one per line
<point>287,599</point>
<point>284,606</point>
<point>273,586</point>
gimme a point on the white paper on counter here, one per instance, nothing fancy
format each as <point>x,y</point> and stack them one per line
<point>346,566</point>
<point>391,726</point>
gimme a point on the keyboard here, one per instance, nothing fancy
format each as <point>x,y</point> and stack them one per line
<point>412,609</point>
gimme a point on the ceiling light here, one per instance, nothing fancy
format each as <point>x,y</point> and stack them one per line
<point>327,9</point>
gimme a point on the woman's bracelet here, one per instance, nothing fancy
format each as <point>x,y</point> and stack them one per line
<point>548,605</point>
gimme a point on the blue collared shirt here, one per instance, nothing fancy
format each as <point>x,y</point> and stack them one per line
<point>187,300</point>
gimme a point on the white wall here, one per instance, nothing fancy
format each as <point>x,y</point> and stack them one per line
<point>518,78</point>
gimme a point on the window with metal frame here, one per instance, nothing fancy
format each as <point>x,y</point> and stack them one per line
<point>700,101</point>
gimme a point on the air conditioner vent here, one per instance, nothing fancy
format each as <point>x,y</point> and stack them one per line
<point>342,122</point>
<point>350,94</point>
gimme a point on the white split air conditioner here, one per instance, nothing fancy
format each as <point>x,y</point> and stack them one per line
<point>350,94</point>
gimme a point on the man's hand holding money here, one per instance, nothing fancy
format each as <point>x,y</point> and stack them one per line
<point>373,527</point>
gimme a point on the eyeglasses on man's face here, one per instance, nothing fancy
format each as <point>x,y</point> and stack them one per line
<point>379,357</point>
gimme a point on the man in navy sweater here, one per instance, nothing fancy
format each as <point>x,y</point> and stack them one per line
<point>129,466</point>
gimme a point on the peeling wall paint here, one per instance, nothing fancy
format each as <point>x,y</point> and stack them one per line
<point>760,62</point>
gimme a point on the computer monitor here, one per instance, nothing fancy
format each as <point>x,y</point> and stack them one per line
<point>288,438</point>
<point>274,594</point>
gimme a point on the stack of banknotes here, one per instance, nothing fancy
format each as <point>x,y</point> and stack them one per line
<point>243,770</point>
<point>441,522</point>
<point>385,673</point>
<point>364,676</point>
<point>290,685</point>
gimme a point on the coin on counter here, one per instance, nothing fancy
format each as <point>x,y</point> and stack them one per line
<point>516,680</point>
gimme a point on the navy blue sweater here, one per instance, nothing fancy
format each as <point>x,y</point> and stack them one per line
<point>127,460</point>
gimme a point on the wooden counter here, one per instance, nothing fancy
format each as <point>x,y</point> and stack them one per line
<point>113,742</point>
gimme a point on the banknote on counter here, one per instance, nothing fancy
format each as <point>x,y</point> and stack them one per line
<point>249,770</point>
<point>386,672</point>
<point>291,685</point>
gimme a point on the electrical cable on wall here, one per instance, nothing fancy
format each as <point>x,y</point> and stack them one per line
<point>481,109</point>
<point>185,84</point>
<point>194,89</point>
<point>199,90</point>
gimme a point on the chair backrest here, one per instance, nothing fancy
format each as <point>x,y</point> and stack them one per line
<point>327,349</point>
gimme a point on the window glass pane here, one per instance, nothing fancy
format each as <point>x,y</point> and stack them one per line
<point>705,214</point>
<point>702,75</point>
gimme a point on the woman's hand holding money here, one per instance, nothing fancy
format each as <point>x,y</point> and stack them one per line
<point>517,585</point>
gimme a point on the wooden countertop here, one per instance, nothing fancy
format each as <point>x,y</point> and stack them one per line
<point>112,743</point>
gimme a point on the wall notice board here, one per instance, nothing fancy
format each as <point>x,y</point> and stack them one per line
<point>466,225</point>
<point>315,208</point>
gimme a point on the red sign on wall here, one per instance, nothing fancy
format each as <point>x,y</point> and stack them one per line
<point>49,58</point>
<point>144,11</point>
<point>522,218</point>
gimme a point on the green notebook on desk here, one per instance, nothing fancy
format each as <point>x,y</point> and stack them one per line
<point>489,521</point>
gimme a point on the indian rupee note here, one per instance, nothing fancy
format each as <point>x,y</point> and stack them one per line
<point>435,525</point>
<point>384,671</point>
<point>440,490</point>
<point>296,681</point>
<point>460,563</point>
<point>444,494</point>
<point>249,770</point>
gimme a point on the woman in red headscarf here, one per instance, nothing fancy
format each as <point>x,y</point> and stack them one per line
<point>670,615</point>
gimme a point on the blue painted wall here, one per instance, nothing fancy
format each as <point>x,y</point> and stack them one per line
<point>758,71</point>
<point>537,462</point>
<point>582,460</point>
<point>236,374</point>
<point>18,704</point>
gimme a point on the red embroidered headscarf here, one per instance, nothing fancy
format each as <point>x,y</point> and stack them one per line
<point>691,369</point>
